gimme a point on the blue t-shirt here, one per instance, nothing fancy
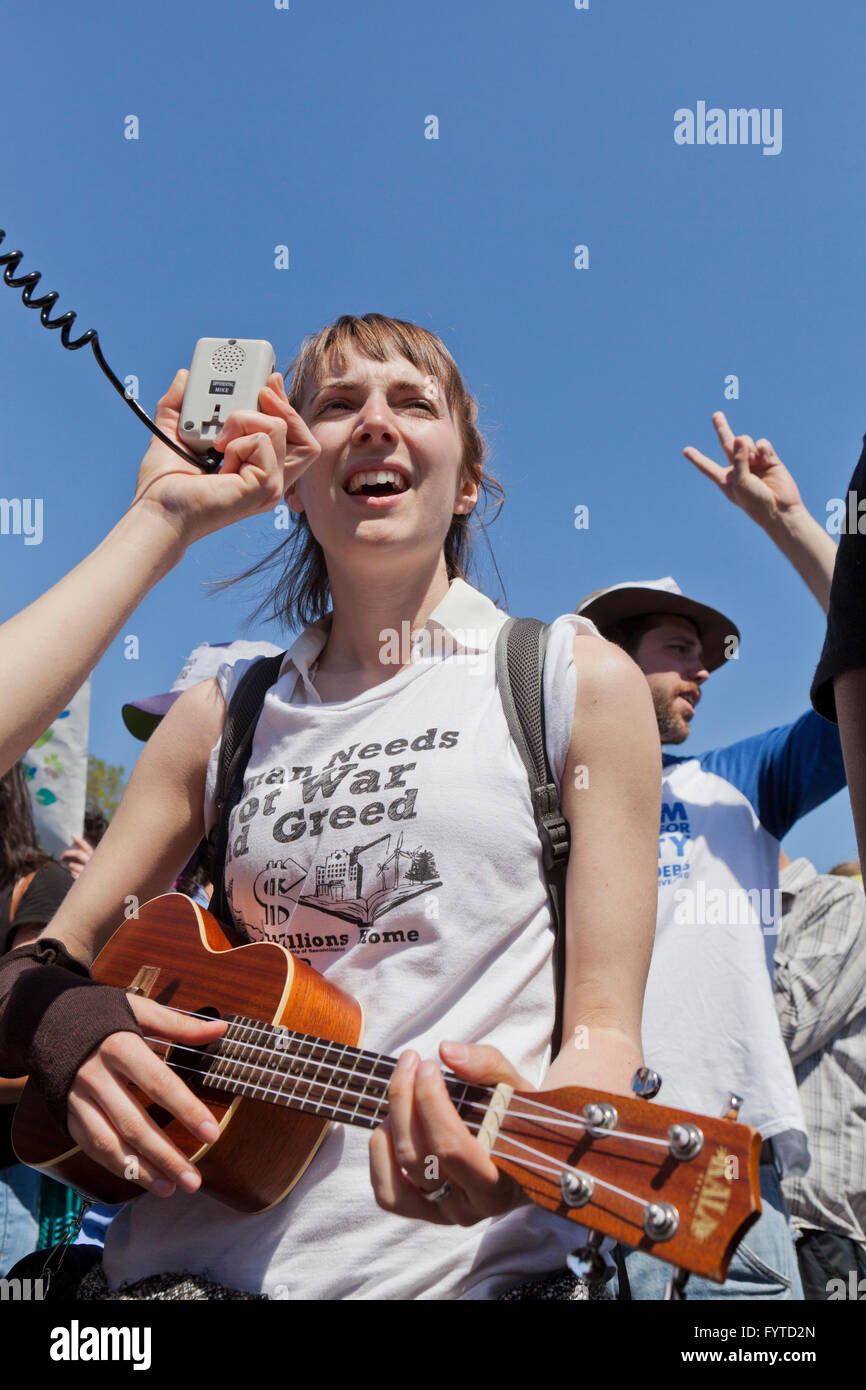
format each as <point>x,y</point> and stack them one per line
<point>784,773</point>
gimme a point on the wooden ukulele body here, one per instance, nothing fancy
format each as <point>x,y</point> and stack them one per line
<point>263,1149</point>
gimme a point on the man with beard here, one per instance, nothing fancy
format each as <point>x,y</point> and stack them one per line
<point>709,1021</point>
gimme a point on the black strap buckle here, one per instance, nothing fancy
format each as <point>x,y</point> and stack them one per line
<point>553,829</point>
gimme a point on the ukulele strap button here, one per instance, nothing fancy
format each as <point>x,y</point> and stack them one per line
<point>732,1106</point>
<point>646,1083</point>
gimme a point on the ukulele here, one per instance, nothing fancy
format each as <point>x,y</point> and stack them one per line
<point>679,1186</point>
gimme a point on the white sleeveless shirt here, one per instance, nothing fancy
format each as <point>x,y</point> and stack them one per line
<point>389,841</point>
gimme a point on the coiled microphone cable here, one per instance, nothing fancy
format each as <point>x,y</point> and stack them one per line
<point>208,463</point>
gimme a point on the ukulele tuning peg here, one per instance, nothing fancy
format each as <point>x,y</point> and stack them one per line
<point>661,1220</point>
<point>600,1117</point>
<point>686,1141</point>
<point>576,1188</point>
<point>646,1083</point>
<point>731,1108</point>
<point>587,1263</point>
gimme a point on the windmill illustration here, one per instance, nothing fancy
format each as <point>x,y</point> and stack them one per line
<point>390,870</point>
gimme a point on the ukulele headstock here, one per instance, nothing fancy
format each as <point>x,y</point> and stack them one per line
<point>678,1186</point>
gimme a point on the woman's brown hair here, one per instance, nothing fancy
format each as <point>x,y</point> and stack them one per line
<point>20,852</point>
<point>302,592</point>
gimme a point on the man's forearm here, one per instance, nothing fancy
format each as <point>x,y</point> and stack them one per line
<point>812,552</point>
<point>48,650</point>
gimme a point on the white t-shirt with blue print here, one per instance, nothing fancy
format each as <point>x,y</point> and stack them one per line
<point>709,1021</point>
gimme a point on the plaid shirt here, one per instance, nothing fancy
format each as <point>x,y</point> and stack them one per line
<point>820,974</point>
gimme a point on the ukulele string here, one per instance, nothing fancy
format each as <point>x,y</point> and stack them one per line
<point>551,1166</point>
<point>562,1117</point>
<point>364,1093</point>
<point>306,1039</point>
<point>556,1116</point>
<point>365,1078</point>
<point>473,1126</point>
<point>270,1091</point>
<point>559,1167</point>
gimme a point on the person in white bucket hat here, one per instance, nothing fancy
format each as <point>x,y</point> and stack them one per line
<point>142,716</point>
<point>709,1023</point>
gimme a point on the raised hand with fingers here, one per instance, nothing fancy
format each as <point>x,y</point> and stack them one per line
<point>755,479</point>
<point>78,855</point>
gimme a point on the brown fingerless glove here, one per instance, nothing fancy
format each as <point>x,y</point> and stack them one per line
<point>46,1028</point>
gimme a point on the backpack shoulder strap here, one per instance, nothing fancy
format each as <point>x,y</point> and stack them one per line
<point>242,716</point>
<point>520,650</point>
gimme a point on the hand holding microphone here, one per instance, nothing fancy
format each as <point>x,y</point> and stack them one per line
<point>265,448</point>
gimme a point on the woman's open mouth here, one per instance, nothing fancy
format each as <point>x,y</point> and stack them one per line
<point>376,483</point>
<point>379,482</point>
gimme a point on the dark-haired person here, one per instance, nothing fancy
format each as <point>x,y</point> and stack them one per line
<point>709,1021</point>
<point>174,505</point>
<point>839,684</point>
<point>382,531</point>
<point>32,887</point>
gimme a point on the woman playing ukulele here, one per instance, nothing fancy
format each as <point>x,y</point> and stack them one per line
<point>385,835</point>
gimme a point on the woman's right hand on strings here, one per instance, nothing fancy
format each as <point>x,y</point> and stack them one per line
<point>265,452</point>
<point>112,1127</point>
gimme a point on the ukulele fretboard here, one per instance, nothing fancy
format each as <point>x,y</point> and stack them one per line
<point>265,1062</point>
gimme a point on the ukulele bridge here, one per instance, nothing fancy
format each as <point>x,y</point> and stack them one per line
<point>144,980</point>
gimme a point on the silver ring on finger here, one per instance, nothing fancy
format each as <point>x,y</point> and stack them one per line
<point>439,1193</point>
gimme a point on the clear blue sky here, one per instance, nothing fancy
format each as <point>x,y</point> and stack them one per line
<point>305,127</point>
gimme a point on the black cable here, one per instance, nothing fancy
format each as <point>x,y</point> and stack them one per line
<point>208,463</point>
